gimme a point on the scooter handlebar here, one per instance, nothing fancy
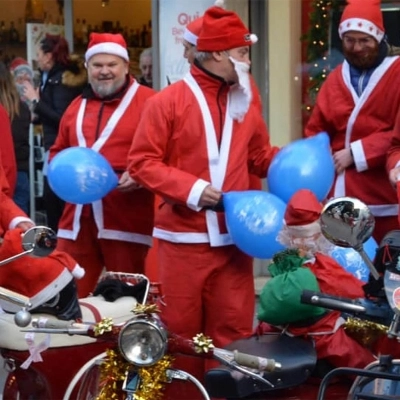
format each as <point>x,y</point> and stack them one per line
<point>51,323</point>
<point>332,302</point>
<point>259,363</point>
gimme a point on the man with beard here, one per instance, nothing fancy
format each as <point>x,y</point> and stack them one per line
<point>357,106</point>
<point>114,232</point>
<point>198,138</point>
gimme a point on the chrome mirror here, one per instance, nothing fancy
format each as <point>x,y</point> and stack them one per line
<point>39,241</point>
<point>348,222</point>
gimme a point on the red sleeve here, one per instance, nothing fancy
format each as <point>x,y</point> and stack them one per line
<point>7,154</point>
<point>393,156</point>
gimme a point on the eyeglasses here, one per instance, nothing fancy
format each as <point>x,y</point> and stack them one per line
<point>367,41</point>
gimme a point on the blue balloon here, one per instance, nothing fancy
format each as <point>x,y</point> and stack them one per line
<point>351,260</point>
<point>81,175</point>
<point>302,164</point>
<point>254,219</point>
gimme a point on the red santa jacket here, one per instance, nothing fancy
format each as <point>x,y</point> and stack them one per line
<point>40,279</point>
<point>185,141</point>
<point>7,153</point>
<point>366,125</point>
<point>108,127</point>
<point>393,158</point>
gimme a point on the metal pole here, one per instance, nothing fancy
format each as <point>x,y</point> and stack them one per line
<point>69,23</point>
<point>32,172</point>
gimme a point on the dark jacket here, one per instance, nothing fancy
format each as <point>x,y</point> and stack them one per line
<point>20,132</point>
<point>63,84</point>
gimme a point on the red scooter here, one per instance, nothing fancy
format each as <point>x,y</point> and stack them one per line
<point>47,359</point>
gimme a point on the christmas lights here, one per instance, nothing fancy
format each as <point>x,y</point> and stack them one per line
<point>317,41</point>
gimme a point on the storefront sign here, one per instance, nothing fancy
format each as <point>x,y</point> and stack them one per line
<point>35,33</point>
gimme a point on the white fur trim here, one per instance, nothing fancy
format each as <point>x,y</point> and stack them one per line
<point>303,231</point>
<point>78,272</point>
<point>219,3</point>
<point>107,48</point>
<point>15,221</point>
<point>253,38</point>
<point>195,193</point>
<point>361,25</point>
<point>190,37</point>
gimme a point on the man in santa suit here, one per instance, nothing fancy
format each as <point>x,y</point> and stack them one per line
<point>198,138</point>
<point>302,231</point>
<point>357,107</point>
<point>190,36</point>
<point>114,232</point>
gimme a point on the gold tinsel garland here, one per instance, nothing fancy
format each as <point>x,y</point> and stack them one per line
<point>113,373</point>
<point>364,332</point>
<point>153,380</point>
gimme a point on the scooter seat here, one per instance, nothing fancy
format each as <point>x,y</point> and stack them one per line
<point>297,356</point>
<point>93,308</point>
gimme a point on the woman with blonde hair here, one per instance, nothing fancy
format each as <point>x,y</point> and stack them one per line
<point>20,118</point>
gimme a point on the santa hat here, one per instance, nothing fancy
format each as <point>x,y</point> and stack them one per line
<point>223,30</point>
<point>192,31</point>
<point>18,62</point>
<point>302,214</point>
<point>18,65</point>
<point>40,279</point>
<point>363,16</point>
<point>107,43</point>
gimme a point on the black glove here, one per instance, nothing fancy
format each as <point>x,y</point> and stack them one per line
<point>112,289</point>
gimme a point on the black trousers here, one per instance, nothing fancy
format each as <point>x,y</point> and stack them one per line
<point>53,206</point>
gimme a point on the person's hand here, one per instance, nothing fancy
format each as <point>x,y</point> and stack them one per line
<point>394,176</point>
<point>209,197</point>
<point>30,92</point>
<point>127,184</point>
<point>342,159</point>
<point>25,225</point>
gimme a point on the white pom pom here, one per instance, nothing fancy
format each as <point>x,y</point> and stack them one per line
<point>219,3</point>
<point>253,38</point>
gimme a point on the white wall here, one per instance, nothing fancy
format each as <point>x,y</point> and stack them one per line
<point>284,21</point>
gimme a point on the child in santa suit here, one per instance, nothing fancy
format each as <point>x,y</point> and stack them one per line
<point>302,231</point>
<point>49,282</point>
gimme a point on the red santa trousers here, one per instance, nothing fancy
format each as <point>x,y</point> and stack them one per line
<point>95,254</point>
<point>206,290</point>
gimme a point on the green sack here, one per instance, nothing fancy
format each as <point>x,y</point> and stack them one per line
<point>280,297</point>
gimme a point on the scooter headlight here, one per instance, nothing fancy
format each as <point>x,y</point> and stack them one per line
<point>143,340</point>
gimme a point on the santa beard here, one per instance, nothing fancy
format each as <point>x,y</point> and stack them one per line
<point>308,246</point>
<point>240,93</point>
<point>364,59</point>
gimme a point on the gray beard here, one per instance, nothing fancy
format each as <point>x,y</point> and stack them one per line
<point>105,91</point>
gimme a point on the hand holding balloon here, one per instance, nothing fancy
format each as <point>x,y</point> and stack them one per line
<point>127,184</point>
<point>80,175</point>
